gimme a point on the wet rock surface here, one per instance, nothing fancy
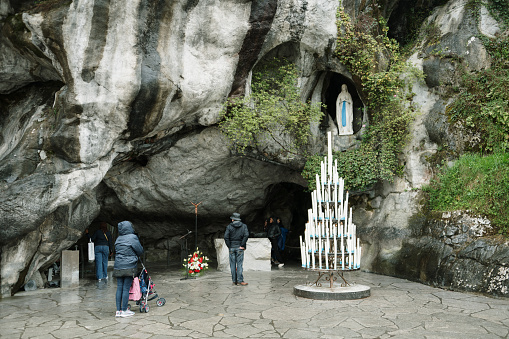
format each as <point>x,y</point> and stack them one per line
<point>109,112</point>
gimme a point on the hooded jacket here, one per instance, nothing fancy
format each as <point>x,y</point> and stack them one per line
<point>127,247</point>
<point>236,235</point>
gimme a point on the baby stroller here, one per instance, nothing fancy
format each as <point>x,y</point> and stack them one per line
<point>145,291</point>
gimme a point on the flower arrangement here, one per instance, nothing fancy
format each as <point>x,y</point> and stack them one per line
<point>196,263</point>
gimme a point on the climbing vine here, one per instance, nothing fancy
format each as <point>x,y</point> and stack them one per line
<point>479,180</point>
<point>375,60</point>
<point>274,111</point>
<point>482,104</point>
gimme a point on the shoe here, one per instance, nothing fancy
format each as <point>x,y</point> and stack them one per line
<point>243,283</point>
<point>106,278</point>
<point>129,312</point>
<point>99,280</point>
<point>234,284</point>
<point>281,264</point>
<point>124,314</point>
<point>118,314</point>
<point>276,262</point>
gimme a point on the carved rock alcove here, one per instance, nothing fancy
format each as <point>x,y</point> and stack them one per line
<point>332,88</point>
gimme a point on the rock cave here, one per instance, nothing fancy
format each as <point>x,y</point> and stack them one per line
<point>110,112</point>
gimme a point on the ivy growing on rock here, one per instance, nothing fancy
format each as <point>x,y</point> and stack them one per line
<point>479,180</point>
<point>483,101</point>
<point>376,62</point>
<point>273,112</point>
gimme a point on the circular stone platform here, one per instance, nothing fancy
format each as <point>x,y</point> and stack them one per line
<point>335,293</point>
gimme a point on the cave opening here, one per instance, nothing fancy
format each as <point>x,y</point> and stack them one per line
<point>289,202</point>
<point>407,17</point>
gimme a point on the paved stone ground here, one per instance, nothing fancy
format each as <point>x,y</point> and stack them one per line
<point>211,307</point>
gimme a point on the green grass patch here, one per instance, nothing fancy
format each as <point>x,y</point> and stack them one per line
<point>476,183</point>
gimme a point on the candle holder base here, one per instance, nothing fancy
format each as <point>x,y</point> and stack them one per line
<point>336,292</point>
<point>331,276</point>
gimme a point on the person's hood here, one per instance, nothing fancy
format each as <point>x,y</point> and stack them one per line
<point>125,227</point>
<point>237,223</point>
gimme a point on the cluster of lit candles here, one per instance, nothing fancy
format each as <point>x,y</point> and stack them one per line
<point>330,241</point>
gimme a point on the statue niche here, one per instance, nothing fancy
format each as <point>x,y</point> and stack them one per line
<point>344,112</point>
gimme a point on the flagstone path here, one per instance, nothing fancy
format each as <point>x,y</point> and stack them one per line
<point>210,307</point>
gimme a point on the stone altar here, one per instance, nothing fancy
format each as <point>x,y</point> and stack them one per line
<point>256,256</point>
<point>70,269</point>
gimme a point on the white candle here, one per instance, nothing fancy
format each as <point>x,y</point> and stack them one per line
<point>357,254</point>
<point>319,250</point>
<point>342,253</point>
<point>308,258</point>
<point>301,251</point>
<point>350,247</point>
<point>313,245</point>
<point>335,253</point>
<point>318,186</point>
<point>326,255</point>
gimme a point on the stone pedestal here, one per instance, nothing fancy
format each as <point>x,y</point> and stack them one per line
<point>70,269</point>
<point>256,256</point>
<point>336,292</point>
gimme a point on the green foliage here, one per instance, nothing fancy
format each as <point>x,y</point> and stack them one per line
<point>500,8</point>
<point>363,47</point>
<point>274,110</point>
<point>483,102</point>
<point>476,183</point>
<point>358,168</point>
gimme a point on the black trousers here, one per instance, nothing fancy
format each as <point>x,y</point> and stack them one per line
<point>275,250</point>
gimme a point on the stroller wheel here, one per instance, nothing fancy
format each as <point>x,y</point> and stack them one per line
<point>142,307</point>
<point>160,302</point>
<point>128,307</point>
<point>146,308</point>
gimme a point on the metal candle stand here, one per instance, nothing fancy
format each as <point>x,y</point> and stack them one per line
<point>330,241</point>
<point>331,276</point>
<point>330,245</point>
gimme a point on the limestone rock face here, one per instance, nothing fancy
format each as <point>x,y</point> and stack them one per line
<point>396,234</point>
<point>109,112</point>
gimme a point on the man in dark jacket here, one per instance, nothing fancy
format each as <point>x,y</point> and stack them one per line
<point>235,238</point>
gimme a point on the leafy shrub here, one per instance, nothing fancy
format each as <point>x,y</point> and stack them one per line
<point>483,102</point>
<point>364,48</point>
<point>274,110</point>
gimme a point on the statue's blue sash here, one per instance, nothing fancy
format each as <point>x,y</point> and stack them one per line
<point>343,114</point>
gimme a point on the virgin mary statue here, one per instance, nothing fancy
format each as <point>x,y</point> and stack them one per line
<point>344,112</point>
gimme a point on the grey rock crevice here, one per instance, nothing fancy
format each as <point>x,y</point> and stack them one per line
<point>260,21</point>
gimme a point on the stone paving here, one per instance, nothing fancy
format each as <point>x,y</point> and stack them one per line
<point>210,307</point>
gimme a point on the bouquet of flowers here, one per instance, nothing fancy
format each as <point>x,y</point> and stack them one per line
<point>196,263</point>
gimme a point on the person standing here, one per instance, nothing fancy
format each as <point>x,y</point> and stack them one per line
<point>235,238</point>
<point>273,233</point>
<point>127,250</point>
<point>282,238</point>
<point>103,248</point>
